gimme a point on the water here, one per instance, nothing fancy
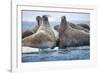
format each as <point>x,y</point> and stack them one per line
<point>75,53</point>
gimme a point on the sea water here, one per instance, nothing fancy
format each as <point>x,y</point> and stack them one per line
<point>70,53</point>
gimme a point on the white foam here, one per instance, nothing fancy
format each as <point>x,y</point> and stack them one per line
<point>29,49</point>
<point>36,50</point>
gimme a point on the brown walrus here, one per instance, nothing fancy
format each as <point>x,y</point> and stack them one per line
<point>34,29</point>
<point>43,38</point>
<point>75,26</point>
<point>84,26</point>
<point>26,33</point>
<point>69,36</point>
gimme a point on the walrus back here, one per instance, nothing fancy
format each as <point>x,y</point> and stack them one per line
<point>74,37</point>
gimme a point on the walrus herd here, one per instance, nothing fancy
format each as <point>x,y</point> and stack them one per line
<point>42,35</point>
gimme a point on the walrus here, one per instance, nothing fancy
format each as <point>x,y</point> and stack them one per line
<point>79,27</point>
<point>26,33</point>
<point>43,38</point>
<point>69,36</point>
<point>84,26</point>
<point>75,26</point>
<point>34,29</point>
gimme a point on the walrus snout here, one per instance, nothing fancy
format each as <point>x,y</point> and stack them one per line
<point>63,23</point>
<point>63,18</point>
<point>39,20</point>
<point>45,18</point>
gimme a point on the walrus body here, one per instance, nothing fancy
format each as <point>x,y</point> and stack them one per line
<point>43,38</point>
<point>79,27</point>
<point>84,26</point>
<point>69,36</point>
<point>74,37</point>
<point>26,33</point>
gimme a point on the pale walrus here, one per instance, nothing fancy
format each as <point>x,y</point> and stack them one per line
<point>34,29</point>
<point>69,36</point>
<point>43,38</point>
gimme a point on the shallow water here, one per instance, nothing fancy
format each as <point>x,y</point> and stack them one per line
<point>72,53</point>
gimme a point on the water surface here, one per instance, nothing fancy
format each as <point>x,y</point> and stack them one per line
<point>75,53</point>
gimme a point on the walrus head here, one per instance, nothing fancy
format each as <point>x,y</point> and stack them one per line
<point>45,17</point>
<point>63,26</point>
<point>63,22</point>
<point>39,20</point>
<point>45,20</point>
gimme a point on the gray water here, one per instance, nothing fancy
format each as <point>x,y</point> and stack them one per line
<point>76,53</point>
